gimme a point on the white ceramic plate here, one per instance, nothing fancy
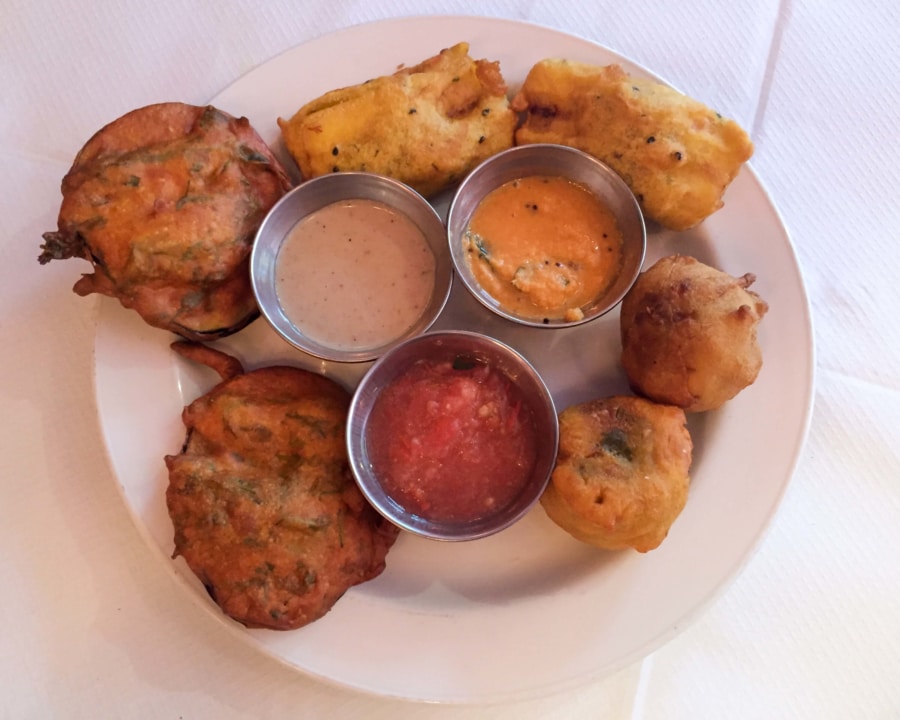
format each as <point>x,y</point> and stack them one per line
<point>529,611</point>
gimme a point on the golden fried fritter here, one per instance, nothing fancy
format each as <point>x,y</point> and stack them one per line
<point>426,125</point>
<point>263,504</point>
<point>677,155</point>
<point>621,477</point>
<point>164,203</point>
<point>689,334</point>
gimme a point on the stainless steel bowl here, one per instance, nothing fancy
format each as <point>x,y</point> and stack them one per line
<point>452,346</point>
<point>314,195</point>
<point>551,160</point>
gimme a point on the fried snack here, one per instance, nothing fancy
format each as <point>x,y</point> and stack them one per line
<point>427,125</point>
<point>675,154</point>
<point>164,203</point>
<point>621,477</point>
<point>265,511</point>
<point>689,334</point>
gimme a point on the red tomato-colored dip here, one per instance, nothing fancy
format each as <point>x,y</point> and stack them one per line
<point>452,440</point>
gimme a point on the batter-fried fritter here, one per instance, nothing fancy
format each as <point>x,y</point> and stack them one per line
<point>677,155</point>
<point>689,334</point>
<point>621,477</point>
<point>164,203</point>
<point>426,125</point>
<point>264,507</point>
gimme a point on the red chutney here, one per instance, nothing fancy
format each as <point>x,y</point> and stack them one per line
<point>452,440</point>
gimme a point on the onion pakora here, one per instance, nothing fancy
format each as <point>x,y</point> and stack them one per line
<point>165,202</point>
<point>426,125</point>
<point>622,472</point>
<point>677,155</point>
<point>264,508</point>
<point>689,334</point>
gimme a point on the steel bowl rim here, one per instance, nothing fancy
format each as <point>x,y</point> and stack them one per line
<point>347,186</point>
<point>357,421</point>
<point>459,262</point>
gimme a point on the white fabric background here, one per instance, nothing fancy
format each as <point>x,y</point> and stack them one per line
<point>94,627</point>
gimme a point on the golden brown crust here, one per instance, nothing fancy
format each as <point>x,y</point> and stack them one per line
<point>677,155</point>
<point>621,477</point>
<point>689,334</point>
<point>164,203</point>
<point>224,365</point>
<point>264,508</point>
<point>425,125</point>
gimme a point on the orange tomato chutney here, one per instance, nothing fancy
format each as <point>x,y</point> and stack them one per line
<point>543,247</point>
<point>452,440</point>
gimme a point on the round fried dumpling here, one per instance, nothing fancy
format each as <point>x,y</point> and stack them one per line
<point>264,508</point>
<point>165,202</point>
<point>689,334</point>
<point>621,477</point>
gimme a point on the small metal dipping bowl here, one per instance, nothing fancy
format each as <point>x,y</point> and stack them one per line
<point>558,161</point>
<point>453,345</point>
<point>314,195</point>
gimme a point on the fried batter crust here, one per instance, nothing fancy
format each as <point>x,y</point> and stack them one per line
<point>164,203</point>
<point>689,334</point>
<point>621,477</point>
<point>264,508</point>
<point>425,125</point>
<point>677,155</point>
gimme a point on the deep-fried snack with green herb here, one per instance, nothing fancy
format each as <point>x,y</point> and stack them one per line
<point>164,202</point>
<point>621,477</point>
<point>677,155</point>
<point>425,125</point>
<point>265,511</point>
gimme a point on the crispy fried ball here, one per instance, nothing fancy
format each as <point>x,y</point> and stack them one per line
<point>689,334</point>
<point>425,125</point>
<point>621,477</point>
<point>265,511</point>
<point>676,154</point>
<point>164,203</point>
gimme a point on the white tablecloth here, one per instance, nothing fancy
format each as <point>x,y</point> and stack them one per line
<point>95,627</point>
